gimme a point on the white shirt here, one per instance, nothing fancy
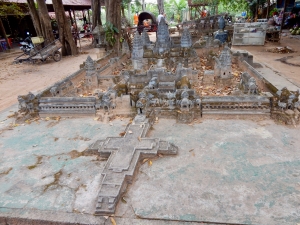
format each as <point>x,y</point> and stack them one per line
<point>159,18</point>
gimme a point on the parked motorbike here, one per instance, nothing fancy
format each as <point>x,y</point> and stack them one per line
<point>27,45</point>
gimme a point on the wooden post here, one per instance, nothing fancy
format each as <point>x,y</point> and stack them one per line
<point>76,30</point>
<point>71,17</point>
<point>268,7</point>
<point>284,8</point>
<point>88,12</point>
<point>4,33</point>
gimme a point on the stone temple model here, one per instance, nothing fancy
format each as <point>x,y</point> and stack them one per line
<point>124,154</point>
<point>157,81</point>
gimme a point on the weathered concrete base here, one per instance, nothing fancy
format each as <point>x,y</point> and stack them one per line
<point>228,172</point>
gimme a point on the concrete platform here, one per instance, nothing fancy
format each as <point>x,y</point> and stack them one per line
<point>276,78</point>
<point>226,171</point>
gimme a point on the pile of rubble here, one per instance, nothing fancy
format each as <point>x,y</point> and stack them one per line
<point>281,50</point>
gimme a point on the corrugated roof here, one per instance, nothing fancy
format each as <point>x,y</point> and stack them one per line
<point>65,2</point>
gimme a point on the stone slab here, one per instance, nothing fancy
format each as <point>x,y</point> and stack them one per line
<point>42,167</point>
<point>226,171</point>
<point>124,154</point>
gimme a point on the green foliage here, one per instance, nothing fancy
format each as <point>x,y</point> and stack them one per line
<point>175,7</point>
<point>110,32</point>
<point>273,11</point>
<point>235,5</point>
<point>10,8</point>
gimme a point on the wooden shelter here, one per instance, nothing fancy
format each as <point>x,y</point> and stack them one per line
<point>198,5</point>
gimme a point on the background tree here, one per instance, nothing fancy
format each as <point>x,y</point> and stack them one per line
<point>45,21</point>
<point>65,36</point>
<point>174,7</point>
<point>113,23</point>
<point>8,8</point>
<point>234,5</point>
<point>35,17</point>
<point>96,17</point>
<point>160,6</point>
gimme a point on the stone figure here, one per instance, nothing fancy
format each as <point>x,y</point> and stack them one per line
<point>252,87</point>
<point>99,35</point>
<point>221,23</point>
<point>248,83</point>
<point>221,34</point>
<point>54,91</point>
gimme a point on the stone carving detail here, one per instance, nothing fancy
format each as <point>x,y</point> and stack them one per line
<point>91,79</point>
<point>106,100</point>
<point>29,103</point>
<point>247,104</point>
<point>186,40</point>
<point>99,35</point>
<point>124,154</point>
<point>248,83</point>
<point>65,106</point>
<point>163,42</point>
<point>223,64</point>
<point>145,39</point>
<point>137,47</point>
<point>287,107</point>
<point>287,99</point>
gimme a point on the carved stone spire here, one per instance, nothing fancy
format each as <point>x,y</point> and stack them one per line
<point>90,67</point>
<point>145,38</point>
<point>186,40</point>
<point>163,32</point>
<point>225,57</point>
<point>137,47</point>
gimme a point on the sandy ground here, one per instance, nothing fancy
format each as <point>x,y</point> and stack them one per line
<point>19,79</point>
<point>271,59</point>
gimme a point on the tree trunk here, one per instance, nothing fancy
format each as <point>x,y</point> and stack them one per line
<point>45,21</point>
<point>113,13</point>
<point>2,30</point>
<point>129,12</point>
<point>160,6</point>
<point>286,2</point>
<point>268,9</point>
<point>143,5</point>
<point>35,17</point>
<point>96,7</point>
<point>64,29</point>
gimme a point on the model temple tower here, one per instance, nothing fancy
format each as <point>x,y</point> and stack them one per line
<point>91,79</point>
<point>137,51</point>
<point>186,40</point>
<point>223,64</point>
<point>163,42</point>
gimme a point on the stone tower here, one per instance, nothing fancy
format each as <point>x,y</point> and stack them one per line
<point>91,79</point>
<point>223,65</point>
<point>137,51</point>
<point>163,42</point>
<point>145,38</point>
<point>186,40</point>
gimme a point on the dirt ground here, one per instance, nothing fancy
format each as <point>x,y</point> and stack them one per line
<point>19,79</point>
<point>272,59</point>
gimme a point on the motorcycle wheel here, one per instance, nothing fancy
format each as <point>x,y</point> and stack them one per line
<point>56,56</point>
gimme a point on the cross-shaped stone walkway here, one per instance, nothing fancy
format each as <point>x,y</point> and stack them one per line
<point>123,154</point>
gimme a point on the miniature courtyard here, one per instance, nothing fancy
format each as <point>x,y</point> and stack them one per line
<point>172,132</point>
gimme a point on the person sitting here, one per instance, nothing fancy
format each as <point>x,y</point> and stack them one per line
<point>146,24</point>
